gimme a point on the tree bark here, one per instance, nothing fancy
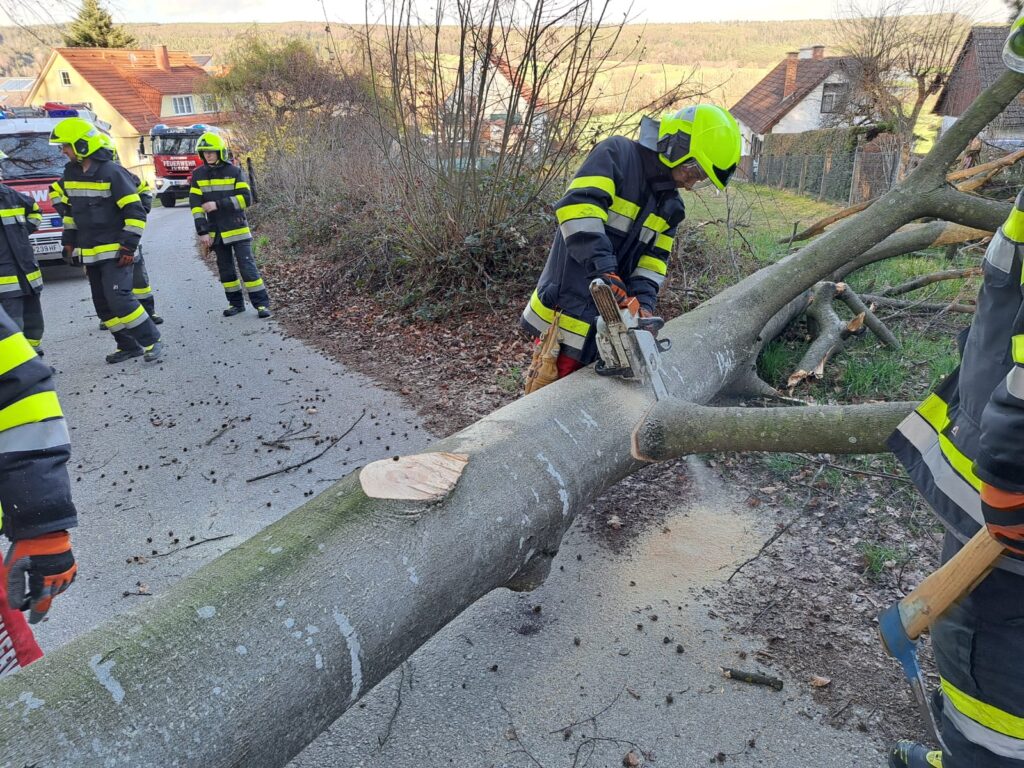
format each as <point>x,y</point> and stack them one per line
<point>914,237</point>
<point>672,428</point>
<point>245,662</point>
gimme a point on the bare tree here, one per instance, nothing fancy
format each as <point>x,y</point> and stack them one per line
<point>901,52</point>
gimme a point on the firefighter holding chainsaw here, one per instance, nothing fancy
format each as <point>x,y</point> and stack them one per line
<point>616,222</point>
<point>36,510</point>
<point>964,449</point>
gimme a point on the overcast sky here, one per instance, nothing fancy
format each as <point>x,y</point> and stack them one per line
<point>352,11</point>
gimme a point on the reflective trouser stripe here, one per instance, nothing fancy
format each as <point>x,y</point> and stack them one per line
<point>142,293</point>
<point>137,317</point>
<point>539,317</point>
<point>254,285</point>
<point>34,343</point>
<point>990,727</point>
<point>37,436</point>
<point>14,350</point>
<point>924,438</point>
<point>234,285</point>
<point>38,407</point>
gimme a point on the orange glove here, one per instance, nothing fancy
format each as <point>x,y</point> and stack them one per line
<point>618,288</point>
<point>48,565</point>
<point>1004,516</point>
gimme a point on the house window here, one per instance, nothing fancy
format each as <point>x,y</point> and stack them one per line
<point>832,97</point>
<point>65,77</point>
<point>208,103</point>
<point>182,105</point>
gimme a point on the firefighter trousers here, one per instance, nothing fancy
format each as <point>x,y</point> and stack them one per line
<point>979,649</point>
<point>141,289</point>
<point>250,283</point>
<point>117,306</point>
<point>27,312</point>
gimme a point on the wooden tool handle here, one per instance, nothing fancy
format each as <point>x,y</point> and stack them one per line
<point>956,578</point>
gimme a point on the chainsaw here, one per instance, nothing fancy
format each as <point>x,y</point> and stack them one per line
<point>627,343</point>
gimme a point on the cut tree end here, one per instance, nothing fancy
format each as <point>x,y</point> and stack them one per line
<point>420,477</point>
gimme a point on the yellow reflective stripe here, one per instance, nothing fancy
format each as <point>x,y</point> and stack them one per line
<point>241,185</point>
<point>142,291</point>
<point>134,315</point>
<point>34,342</point>
<point>215,182</point>
<point>233,284</point>
<point>254,283</point>
<point>570,324</point>
<point>128,199</point>
<point>12,211</point>
<point>68,221</point>
<point>656,223</point>
<point>936,413</point>
<point>199,210</point>
<point>135,223</point>
<point>603,183</point>
<point>233,232</point>
<point>580,211</point>
<point>8,280</point>
<point>37,275</point>
<point>241,201</point>
<point>36,215</point>
<point>653,264</point>
<point>195,191</point>
<point>1018,349</point>
<point>100,249</point>
<point>624,207</point>
<point>991,717</point>
<point>14,350</point>
<point>663,242</point>
<point>31,409</point>
<point>1013,228</point>
<point>87,185</point>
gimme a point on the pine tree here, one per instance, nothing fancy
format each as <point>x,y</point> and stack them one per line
<point>94,28</point>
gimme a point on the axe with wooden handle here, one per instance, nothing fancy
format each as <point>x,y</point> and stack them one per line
<point>900,625</point>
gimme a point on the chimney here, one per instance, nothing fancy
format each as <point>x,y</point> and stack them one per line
<point>163,61</point>
<point>790,85</point>
<point>818,52</point>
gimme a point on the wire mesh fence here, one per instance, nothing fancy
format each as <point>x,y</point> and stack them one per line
<point>839,177</point>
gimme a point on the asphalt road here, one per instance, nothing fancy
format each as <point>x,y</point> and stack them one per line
<point>506,683</point>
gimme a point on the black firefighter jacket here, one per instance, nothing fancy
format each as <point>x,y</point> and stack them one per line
<point>223,184</point>
<point>105,212</point>
<point>971,428</point>
<point>19,270</point>
<point>619,215</point>
<point>35,490</point>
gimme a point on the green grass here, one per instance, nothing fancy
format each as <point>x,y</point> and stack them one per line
<point>512,381</point>
<point>878,557</point>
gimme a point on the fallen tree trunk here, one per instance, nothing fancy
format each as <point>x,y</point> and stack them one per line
<point>245,662</point>
<point>672,428</point>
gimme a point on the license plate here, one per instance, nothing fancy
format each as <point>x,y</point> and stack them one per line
<point>46,248</point>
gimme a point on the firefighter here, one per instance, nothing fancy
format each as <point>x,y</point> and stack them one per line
<point>105,221</point>
<point>618,218</point>
<point>142,290</point>
<point>21,280</point>
<point>219,196</point>
<point>36,509</point>
<point>964,449</point>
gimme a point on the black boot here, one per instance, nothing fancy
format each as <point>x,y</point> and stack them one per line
<point>124,354</point>
<point>263,312</point>
<point>910,754</point>
<point>157,320</point>
<point>233,310</point>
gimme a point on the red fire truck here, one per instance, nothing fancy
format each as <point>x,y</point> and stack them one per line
<point>174,158</point>
<point>33,164</point>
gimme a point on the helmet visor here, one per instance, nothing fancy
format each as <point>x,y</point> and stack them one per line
<point>723,174</point>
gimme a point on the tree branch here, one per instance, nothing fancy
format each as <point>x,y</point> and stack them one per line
<point>673,428</point>
<point>935,277</point>
<point>915,237</point>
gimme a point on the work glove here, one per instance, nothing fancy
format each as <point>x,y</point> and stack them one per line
<point>125,257</point>
<point>1004,516</point>
<point>618,288</point>
<point>47,564</point>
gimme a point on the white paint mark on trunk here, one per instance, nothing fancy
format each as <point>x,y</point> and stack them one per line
<point>102,671</point>
<point>352,640</point>
<point>588,419</point>
<point>565,429</point>
<point>563,494</point>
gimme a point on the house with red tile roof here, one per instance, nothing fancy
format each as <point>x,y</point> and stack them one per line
<point>804,92</point>
<point>133,90</point>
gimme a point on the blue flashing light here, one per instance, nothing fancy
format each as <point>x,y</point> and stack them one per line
<point>62,113</point>
<point>55,221</point>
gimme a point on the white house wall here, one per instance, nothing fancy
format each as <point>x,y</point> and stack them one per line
<point>806,116</point>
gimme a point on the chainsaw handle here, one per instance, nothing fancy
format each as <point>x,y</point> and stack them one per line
<point>950,583</point>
